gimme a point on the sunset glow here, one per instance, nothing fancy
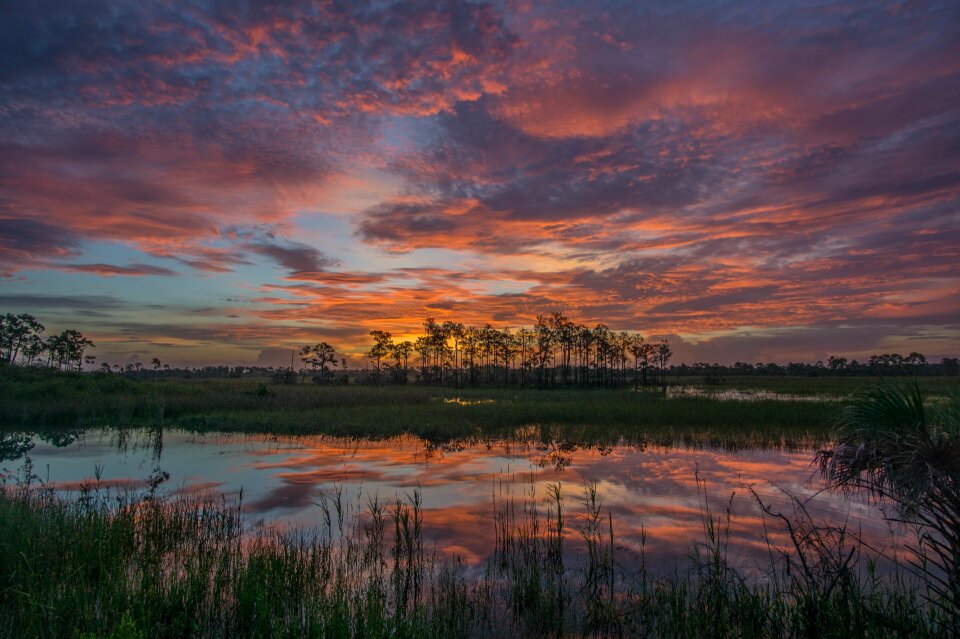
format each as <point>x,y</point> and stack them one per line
<point>217,182</point>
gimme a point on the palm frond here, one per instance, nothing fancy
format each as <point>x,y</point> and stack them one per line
<point>883,409</point>
<point>888,446</point>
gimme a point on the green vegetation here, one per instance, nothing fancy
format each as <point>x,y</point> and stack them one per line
<point>21,342</point>
<point>51,403</point>
<point>897,447</point>
<point>556,352</point>
<point>118,565</point>
<point>109,565</point>
<point>45,401</point>
<point>809,386</point>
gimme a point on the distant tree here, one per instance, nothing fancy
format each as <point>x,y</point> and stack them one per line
<point>543,343</point>
<point>32,349</point>
<point>285,376</point>
<point>486,345</point>
<point>382,346</point>
<point>951,366</point>
<point>563,332</point>
<point>455,331</point>
<point>837,363</point>
<point>662,355</point>
<point>585,345</point>
<point>554,351</point>
<point>621,346</point>
<point>67,349</point>
<point>637,348</point>
<point>507,347</point>
<point>401,353</point>
<point>306,354</point>
<point>601,337</point>
<point>436,337</point>
<point>915,362</point>
<point>318,357</point>
<point>421,346</point>
<point>471,351</point>
<point>325,354</point>
<point>15,330</point>
<point>525,340</point>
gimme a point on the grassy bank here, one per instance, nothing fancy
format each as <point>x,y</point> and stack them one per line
<point>824,385</point>
<point>44,402</point>
<point>122,567</point>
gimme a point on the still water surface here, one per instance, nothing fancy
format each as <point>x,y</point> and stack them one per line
<point>656,496</point>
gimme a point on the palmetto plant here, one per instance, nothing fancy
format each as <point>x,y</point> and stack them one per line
<point>902,449</point>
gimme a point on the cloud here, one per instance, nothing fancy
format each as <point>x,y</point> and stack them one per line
<point>292,255</point>
<point>717,301</point>
<point>25,243</point>
<point>109,270</point>
<point>692,169</point>
<point>277,357</point>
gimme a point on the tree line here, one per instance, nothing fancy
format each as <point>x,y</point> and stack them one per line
<point>885,365</point>
<point>22,342</point>
<point>556,351</point>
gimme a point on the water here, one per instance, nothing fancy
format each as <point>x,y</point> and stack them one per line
<point>746,395</point>
<point>658,497</point>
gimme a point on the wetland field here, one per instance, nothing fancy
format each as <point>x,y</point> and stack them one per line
<point>240,507</point>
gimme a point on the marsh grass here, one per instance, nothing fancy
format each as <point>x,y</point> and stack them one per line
<point>39,401</point>
<point>113,564</point>
<point>825,385</point>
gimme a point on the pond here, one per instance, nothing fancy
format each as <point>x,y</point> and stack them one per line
<point>658,498</point>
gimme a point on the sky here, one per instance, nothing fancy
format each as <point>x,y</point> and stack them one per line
<point>221,181</point>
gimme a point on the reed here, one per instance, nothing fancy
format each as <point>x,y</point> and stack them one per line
<point>121,565</point>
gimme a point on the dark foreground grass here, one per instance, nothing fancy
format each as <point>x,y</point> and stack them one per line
<point>39,401</point>
<point>111,566</point>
